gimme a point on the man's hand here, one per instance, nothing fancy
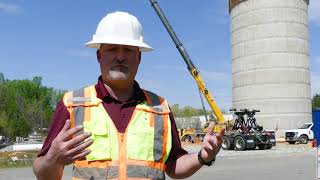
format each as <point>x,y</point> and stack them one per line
<point>211,143</point>
<point>67,146</point>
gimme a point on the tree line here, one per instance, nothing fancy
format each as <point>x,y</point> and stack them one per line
<point>188,111</point>
<point>25,105</point>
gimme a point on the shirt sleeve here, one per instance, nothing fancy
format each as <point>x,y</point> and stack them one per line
<point>176,150</point>
<point>59,118</point>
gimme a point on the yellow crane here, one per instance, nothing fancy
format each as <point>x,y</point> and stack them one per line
<point>192,69</point>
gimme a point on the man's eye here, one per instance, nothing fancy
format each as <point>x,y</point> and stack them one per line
<point>111,49</point>
<point>129,50</point>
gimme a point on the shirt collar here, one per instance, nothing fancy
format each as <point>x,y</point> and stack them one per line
<point>102,92</point>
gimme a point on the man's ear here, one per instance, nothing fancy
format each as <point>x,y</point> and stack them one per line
<point>98,55</point>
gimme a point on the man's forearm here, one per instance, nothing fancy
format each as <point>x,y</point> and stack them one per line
<point>46,170</point>
<point>184,166</point>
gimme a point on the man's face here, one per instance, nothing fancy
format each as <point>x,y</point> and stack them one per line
<point>118,62</point>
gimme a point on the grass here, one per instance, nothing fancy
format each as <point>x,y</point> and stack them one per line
<point>24,159</point>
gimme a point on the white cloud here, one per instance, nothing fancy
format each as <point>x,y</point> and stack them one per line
<point>314,12</point>
<point>10,8</point>
<point>80,53</point>
<point>315,83</point>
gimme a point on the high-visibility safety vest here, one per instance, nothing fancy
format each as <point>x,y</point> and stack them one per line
<point>139,153</point>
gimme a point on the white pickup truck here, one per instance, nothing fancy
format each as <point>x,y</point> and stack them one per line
<point>302,135</point>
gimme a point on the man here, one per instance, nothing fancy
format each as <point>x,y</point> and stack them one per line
<point>115,129</point>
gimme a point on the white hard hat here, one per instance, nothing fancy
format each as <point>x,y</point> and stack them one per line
<point>119,28</point>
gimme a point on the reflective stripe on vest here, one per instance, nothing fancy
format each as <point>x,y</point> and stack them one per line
<point>158,126</point>
<point>150,120</point>
<point>133,171</point>
<point>161,126</point>
<point>95,173</point>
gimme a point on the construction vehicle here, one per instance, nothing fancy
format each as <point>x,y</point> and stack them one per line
<point>246,134</point>
<point>187,134</point>
<point>192,135</point>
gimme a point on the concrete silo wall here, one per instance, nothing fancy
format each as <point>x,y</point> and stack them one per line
<point>270,60</point>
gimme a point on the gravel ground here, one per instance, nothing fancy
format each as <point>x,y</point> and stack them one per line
<point>283,162</point>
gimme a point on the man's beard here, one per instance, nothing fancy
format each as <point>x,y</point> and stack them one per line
<point>118,75</point>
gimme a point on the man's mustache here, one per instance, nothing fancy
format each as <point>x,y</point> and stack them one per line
<point>120,63</point>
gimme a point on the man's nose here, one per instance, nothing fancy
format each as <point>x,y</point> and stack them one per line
<point>121,55</point>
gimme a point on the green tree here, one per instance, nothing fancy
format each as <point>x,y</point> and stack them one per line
<point>25,105</point>
<point>316,101</point>
<point>1,78</point>
<point>187,111</point>
<point>37,80</point>
<point>56,96</point>
<point>175,110</point>
<point>20,128</point>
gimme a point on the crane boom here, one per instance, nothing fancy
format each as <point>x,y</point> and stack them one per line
<point>192,69</point>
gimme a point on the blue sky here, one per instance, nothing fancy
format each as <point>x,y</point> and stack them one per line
<point>45,38</point>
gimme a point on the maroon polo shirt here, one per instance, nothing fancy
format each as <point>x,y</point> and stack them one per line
<point>119,112</point>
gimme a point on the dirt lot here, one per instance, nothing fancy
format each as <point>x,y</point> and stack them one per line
<point>16,159</point>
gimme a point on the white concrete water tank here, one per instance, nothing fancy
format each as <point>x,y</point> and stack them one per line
<point>270,61</point>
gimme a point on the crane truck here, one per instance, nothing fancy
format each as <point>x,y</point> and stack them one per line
<point>233,136</point>
<point>246,134</point>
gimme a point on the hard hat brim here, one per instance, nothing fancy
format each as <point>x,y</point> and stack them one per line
<point>143,47</point>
